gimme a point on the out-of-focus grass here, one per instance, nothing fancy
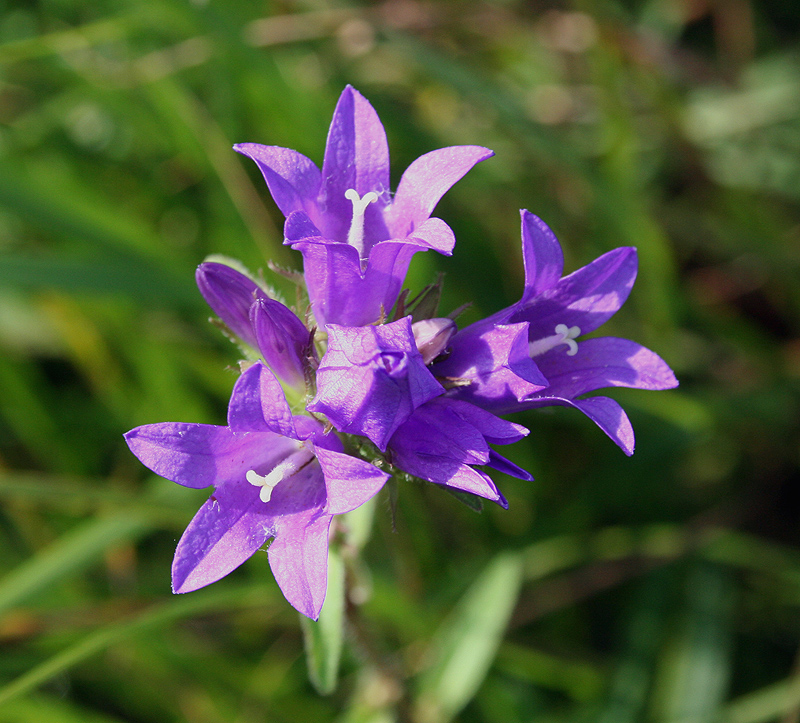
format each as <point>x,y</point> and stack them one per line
<point>660,588</point>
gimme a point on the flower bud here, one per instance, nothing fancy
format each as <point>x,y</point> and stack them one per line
<point>432,336</point>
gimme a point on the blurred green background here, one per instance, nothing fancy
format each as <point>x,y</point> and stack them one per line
<point>662,588</point>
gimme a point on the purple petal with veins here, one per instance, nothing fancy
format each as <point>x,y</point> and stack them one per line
<point>371,379</point>
<point>349,204</point>
<point>274,476</point>
<point>487,370</point>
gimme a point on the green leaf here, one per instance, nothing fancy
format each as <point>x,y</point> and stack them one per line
<point>696,669</point>
<point>98,640</point>
<point>43,710</point>
<point>764,705</point>
<point>358,524</point>
<point>323,638</point>
<point>579,680</point>
<point>426,304</point>
<point>69,553</point>
<point>640,642</point>
<point>472,501</point>
<point>465,646</point>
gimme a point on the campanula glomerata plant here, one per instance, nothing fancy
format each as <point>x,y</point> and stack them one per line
<point>386,388</point>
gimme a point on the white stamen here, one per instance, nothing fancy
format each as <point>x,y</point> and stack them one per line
<point>569,334</point>
<point>564,335</point>
<point>286,468</point>
<point>355,236</point>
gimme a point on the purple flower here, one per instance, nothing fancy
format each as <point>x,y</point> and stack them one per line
<point>266,324</point>
<point>357,239</point>
<point>371,379</point>
<point>557,311</point>
<point>275,476</point>
<point>443,439</point>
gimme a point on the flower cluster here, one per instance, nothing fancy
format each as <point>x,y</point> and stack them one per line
<point>375,372</point>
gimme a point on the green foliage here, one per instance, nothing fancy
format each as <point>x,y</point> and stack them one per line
<point>662,588</point>
<point>323,637</point>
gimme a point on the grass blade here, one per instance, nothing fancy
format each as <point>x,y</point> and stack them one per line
<point>466,645</point>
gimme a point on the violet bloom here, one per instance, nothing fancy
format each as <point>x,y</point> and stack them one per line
<point>442,440</point>
<point>357,239</point>
<point>263,323</point>
<point>275,476</point>
<point>557,311</point>
<point>371,379</point>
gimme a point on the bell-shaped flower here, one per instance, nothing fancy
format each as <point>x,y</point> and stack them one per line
<point>259,321</point>
<point>274,475</point>
<point>371,379</point>
<point>557,311</point>
<point>489,361</point>
<point>357,239</point>
<point>443,440</point>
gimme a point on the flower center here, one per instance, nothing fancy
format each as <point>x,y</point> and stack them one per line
<point>286,468</point>
<point>564,335</point>
<point>355,236</point>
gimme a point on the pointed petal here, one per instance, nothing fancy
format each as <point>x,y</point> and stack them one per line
<point>586,298</point>
<point>230,294</point>
<point>493,429</point>
<point>199,455</point>
<point>357,157</point>
<point>432,335</point>
<point>494,358</point>
<point>293,180</point>
<point>603,411</point>
<point>604,362</point>
<point>469,480</point>
<point>298,557</point>
<point>435,234</point>
<point>443,455</point>
<point>611,418</point>
<point>501,464</point>
<point>541,255</point>
<point>282,338</point>
<point>218,540</point>
<point>436,432</point>
<point>350,482</point>
<point>258,404</point>
<point>425,181</point>
<point>439,442</point>
<point>183,453</point>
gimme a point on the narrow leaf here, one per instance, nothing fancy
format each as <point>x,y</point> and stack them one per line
<point>472,501</point>
<point>323,638</point>
<point>70,552</point>
<point>464,648</point>
<point>175,609</point>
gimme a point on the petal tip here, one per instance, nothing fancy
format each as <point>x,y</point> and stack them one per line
<point>502,501</point>
<point>244,148</point>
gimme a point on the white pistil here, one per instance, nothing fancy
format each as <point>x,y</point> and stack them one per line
<point>286,468</point>
<point>564,335</point>
<point>355,236</point>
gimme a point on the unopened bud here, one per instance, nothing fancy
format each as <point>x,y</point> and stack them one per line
<point>432,336</point>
